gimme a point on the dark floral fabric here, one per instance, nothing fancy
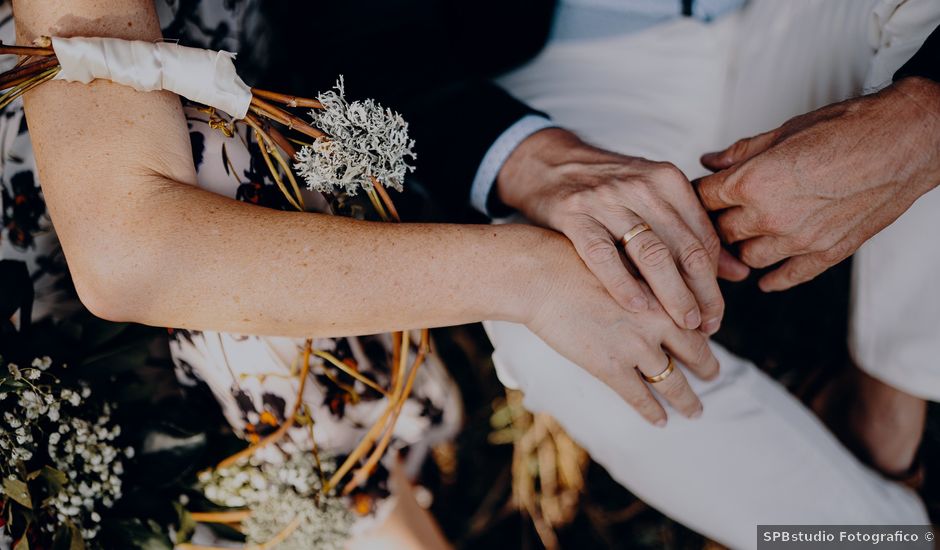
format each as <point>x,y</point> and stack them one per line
<point>255,379</point>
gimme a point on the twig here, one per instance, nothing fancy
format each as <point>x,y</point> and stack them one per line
<point>266,144</point>
<point>280,537</point>
<point>25,72</point>
<point>380,189</point>
<point>25,50</point>
<point>288,100</point>
<point>402,396</point>
<point>221,517</point>
<point>333,360</point>
<point>273,112</point>
<point>288,421</point>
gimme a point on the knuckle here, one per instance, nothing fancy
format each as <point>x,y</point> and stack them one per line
<point>712,244</point>
<point>696,261</point>
<point>654,253</point>
<point>600,251</point>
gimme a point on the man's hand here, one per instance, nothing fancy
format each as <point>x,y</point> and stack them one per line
<point>576,316</point>
<point>813,190</point>
<point>595,197</point>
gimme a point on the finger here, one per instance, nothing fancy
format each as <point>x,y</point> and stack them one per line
<point>761,252</point>
<point>695,265</point>
<point>731,268</point>
<point>738,152</point>
<point>714,191</point>
<point>687,204</point>
<point>794,271</point>
<point>656,264</point>
<point>691,348</point>
<point>674,387</point>
<point>599,252</point>
<point>628,383</point>
<point>738,223</point>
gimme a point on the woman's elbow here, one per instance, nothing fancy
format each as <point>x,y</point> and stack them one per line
<point>110,289</point>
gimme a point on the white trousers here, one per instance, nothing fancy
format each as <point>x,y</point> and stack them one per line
<point>756,456</point>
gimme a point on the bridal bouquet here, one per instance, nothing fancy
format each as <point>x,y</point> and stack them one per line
<point>341,148</point>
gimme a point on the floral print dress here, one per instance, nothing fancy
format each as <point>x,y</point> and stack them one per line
<point>255,379</point>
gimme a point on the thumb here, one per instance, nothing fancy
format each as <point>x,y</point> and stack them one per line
<point>740,151</point>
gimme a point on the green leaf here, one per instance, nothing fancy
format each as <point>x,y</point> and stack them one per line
<point>18,491</point>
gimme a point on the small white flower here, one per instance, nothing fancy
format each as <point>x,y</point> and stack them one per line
<point>14,371</point>
<point>33,374</point>
<point>42,363</point>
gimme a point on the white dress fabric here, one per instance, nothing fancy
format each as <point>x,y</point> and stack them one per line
<point>671,92</point>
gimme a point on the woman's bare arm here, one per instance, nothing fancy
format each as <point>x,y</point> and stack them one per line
<point>144,244</point>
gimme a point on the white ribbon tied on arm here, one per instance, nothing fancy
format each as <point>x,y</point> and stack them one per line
<point>203,76</point>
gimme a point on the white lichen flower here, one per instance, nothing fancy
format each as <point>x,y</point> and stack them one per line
<point>365,141</point>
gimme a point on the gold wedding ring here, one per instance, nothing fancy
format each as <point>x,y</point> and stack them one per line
<point>637,229</point>
<point>663,375</point>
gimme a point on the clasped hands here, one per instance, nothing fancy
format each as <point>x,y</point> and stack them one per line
<point>806,194</point>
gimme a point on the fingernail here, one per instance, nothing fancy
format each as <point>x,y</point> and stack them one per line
<point>639,303</point>
<point>693,319</point>
<point>696,414</point>
<point>711,326</point>
<point>661,423</point>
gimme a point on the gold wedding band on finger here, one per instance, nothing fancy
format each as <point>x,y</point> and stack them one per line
<point>663,375</point>
<point>637,229</point>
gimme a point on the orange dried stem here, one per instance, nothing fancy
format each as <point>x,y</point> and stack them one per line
<point>25,50</point>
<point>333,360</point>
<point>366,470</point>
<point>221,517</point>
<point>288,100</point>
<point>25,72</point>
<point>383,194</point>
<point>288,422</point>
<point>277,114</point>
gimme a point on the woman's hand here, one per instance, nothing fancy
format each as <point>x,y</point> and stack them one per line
<point>576,316</point>
<point>813,190</point>
<point>595,197</point>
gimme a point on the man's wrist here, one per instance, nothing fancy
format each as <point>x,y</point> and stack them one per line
<point>481,190</point>
<point>526,169</point>
<point>921,96</point>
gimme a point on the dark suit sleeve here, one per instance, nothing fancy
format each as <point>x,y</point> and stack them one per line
<point>926,62</point>
<point>431,60</point>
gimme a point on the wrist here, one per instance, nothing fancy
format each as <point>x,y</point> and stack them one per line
<point>530,272</point>
<point>920,98</point>
<point>527,169</point>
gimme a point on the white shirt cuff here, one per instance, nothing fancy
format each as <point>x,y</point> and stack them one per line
<point>497,154</point>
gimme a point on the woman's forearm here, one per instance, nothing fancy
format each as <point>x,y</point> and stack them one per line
<point>145,244</point>
<point>188,258</point>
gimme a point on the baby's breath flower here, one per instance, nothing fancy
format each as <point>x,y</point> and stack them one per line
<point>365,141</point>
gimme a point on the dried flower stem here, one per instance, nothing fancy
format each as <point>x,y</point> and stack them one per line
<point>277,114</point>
<point>380,189</point>
<point>333,360</point>
<point>280,537</point>
<point>25,72</point>
<point>268,147</point>
<point>288,100</point>
<point>26,86</point>
<point>366,469</point>
<point>25,50</point>
<point>288,421</point>
<point>221,517</point>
